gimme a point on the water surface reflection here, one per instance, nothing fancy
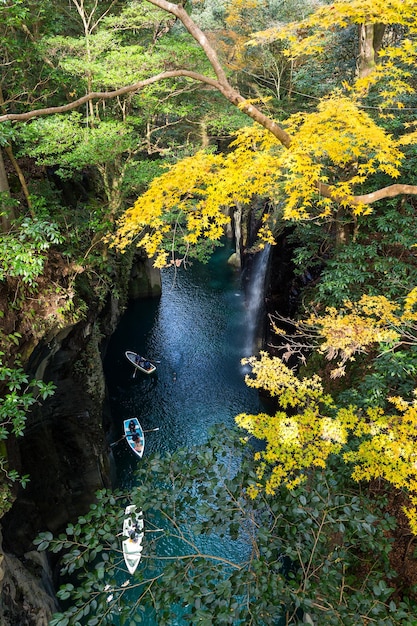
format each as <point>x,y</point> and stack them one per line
<point>197,332</point>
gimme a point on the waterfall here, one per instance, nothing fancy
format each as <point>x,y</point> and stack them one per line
<point>255,299</point>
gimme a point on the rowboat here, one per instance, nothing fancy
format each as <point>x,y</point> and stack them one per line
<point>133,533</point>
<point>134,436</point>
<point>142,364</point>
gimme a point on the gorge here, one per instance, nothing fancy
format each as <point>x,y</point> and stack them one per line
<point>67,451</point>
<point>138,135</point>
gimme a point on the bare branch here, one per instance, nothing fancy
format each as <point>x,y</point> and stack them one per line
<point>387,192</point>
<point>108,95</point>
<point>368,198</point>
<point>223,85</point>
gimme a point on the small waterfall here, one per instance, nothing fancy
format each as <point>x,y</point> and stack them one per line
<point>255,299</point>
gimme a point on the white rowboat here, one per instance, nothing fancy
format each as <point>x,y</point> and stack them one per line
<point>133,535</point>
<point>142,364</point>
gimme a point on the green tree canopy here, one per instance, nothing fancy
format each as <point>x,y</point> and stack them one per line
<point>295,553</point>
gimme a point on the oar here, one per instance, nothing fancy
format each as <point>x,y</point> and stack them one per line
<point>153,361</point>
<point>116,442</point>
<point>151,430</point>
<point>151,530</point>
<point>136,369</point>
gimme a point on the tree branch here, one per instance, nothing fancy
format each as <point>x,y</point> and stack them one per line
<point>108,95</point>
<point>368,198</point>
<point>386,192</point>
<point>223,85</point>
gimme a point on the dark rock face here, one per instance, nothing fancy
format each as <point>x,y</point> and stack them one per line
<point>64,451</point>
<point>145,281</point>
<point>280,293</point>
<point>65,454</point>
<point>27,597</point>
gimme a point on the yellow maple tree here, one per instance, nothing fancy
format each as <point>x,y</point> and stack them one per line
<point>389,63</point>
<point>388,451</point>
<point>299,437</point>
<point>307,165</point>
<point>204,187</point>
<point>371,323</point>
<point>308,428</point>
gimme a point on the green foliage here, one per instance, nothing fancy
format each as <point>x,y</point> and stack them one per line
<point>379,260</point>
<point>339,64</point>
<point>19,394</point>
<point>23,249</point>
<point>24,67</point>
<point>7,133</point>
<point>67,141</point>
<point>311,246</point>
<point>373,381</point>
<point>225,123</point>
<point>142,172</point>
<point>210,15</point>
<point>270,560</point>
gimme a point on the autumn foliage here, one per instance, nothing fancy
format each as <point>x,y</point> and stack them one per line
<point>201,189</point>
<point>310,428</point>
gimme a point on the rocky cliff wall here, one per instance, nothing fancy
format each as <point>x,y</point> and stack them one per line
<point>27,592</point>
<point>64,451</point>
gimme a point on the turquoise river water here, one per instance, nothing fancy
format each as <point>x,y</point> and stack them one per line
<point>198,332</point>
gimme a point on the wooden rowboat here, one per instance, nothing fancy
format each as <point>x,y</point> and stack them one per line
<point>142,364</point>
<point>134,436</point>
<point>133,534</point>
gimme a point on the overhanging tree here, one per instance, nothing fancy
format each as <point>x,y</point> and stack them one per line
<point>323,157</point>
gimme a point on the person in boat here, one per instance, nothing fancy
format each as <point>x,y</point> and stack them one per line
<point>132,426</point>
<point>137,443</point>
<point>133,535</point>
<point>140,361</point>
<point>147,365</point>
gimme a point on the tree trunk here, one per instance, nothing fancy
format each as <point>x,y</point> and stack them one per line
<point>238,234</point>
<point>370,41</point>
<point>6,210</point>
<point>8,150</point>
<point>342,227</point>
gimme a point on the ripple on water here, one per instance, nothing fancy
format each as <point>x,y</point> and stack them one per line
<point>197,330</point>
